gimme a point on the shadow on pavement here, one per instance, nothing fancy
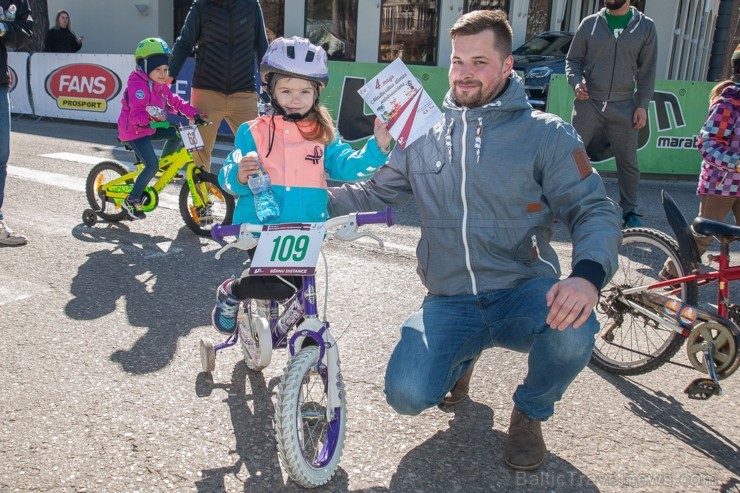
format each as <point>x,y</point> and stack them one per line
<point>468,457</point>
<point>666,413</point>
<point>168,286</point>
<point>251,409</point>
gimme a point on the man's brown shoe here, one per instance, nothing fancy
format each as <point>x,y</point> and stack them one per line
<point>525,447</point>
<point>459,392</point>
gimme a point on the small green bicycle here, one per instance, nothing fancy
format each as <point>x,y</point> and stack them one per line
<point>202,201</point>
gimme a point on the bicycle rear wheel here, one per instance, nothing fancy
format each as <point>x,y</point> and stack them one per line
<point>309,446</point>
<point>630,343</point>
<point>221,209</point>
<point>101,174</point>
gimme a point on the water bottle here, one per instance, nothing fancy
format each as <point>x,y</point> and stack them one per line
<point>264,201</point>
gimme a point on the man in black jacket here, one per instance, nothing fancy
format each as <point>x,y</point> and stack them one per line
<point>15,32</point>
<point>229,39</point>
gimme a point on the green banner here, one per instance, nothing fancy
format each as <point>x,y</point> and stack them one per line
<point>667,144</point>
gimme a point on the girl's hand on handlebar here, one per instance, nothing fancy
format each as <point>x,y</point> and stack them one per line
<point>200,119</point>
<point>248,166</point>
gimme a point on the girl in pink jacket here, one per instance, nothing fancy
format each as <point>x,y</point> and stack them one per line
<point>147,99</point>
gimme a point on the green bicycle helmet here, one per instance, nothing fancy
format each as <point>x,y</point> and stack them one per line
<point>151,46</point>
<point>154,50</point>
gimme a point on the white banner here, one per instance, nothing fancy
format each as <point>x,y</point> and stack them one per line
<point>79,86</point>
<point>19,100</point>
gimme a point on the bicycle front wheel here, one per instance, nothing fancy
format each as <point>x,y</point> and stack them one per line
<point>309,445</point>
<point>629,342</point>
<point>219,205</point>
<point>104,206</point>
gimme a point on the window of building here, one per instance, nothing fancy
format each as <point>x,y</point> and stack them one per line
<point>273,13</point>
<point>333,26</point>
<point>409,30</point>
<point>471,5</point>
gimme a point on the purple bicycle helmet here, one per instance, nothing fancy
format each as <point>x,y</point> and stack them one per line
<point>296,57</point>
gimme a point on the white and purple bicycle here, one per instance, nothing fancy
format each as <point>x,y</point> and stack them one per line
<point>310,413</point>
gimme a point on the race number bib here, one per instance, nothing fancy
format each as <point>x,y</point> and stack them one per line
<point>288,249</point>
<point>191,138</point>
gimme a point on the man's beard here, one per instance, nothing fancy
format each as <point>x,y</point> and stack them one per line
<point>473,98</point>
<point>614,4</point>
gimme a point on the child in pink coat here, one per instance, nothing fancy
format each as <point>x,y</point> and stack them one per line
<point>147,99</point>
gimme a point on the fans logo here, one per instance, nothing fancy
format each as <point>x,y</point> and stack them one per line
<point>13,79</point>
<point>83,86</point>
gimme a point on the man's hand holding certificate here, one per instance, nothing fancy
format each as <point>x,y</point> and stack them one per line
<point>400,101</point>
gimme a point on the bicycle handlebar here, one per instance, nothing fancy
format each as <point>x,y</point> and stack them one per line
<point>198,120</point>
<point>388,216</point>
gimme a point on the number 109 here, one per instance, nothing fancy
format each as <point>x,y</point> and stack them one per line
<point>285,247</point>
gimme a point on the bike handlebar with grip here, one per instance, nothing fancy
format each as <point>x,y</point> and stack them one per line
<point>387,216</point>
<point>164,124</point>
<point>219,231</point>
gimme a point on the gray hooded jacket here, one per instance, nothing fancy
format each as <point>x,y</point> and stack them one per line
<point>610,66</point>
<point>487,183</point>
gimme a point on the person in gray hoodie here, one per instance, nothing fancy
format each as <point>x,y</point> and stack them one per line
<point>488,180</point>
<point>614,51</point>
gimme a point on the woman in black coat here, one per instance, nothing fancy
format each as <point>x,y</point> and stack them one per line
<point>61,38</point>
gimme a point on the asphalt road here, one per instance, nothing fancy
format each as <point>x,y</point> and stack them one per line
<point>101,386</point>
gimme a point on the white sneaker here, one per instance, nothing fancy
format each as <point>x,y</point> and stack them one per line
<point>9,237</point>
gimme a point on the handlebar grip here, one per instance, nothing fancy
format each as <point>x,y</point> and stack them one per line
<point>164,124</point>
<point>220,231</point>
<point>387,216</point>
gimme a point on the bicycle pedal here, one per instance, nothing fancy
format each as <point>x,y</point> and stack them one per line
<point>702,389</point>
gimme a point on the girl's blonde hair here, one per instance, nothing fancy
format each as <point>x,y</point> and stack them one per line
<point>318,126</point>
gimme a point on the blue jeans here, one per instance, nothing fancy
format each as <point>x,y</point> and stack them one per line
<point>440,342</point>
<point>4,142</point>
<point>144,149</point>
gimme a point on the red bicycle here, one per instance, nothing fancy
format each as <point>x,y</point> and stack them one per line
<point>647,315</point>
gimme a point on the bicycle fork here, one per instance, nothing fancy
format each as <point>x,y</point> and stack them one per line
<point>312,328</point>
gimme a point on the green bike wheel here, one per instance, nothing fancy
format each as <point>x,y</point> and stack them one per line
<point>220,204</point>
<point>101,174</point>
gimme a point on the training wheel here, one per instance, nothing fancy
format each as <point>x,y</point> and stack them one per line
<point>89,217</point>
<point>207,355</point>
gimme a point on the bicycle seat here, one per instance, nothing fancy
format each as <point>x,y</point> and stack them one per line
<point>682,230</point>
<point>723,231</point>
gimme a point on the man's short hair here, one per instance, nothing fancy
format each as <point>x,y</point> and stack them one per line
<point>478,21</point>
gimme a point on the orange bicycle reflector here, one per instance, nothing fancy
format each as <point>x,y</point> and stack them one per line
<point>672,307</point>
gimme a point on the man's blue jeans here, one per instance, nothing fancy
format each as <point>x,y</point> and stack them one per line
<point>440,342</point>
<point>4,142</point>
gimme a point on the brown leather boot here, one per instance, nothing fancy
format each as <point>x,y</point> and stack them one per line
<point>459,392</point>
<point>525,447</point>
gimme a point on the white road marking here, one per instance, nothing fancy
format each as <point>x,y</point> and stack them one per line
<point>166,200</point>
<point>81,158</point>
<point>8,295</point>
<point>86,159</point>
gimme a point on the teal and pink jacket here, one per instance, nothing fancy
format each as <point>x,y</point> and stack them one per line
<point>298,169</point>
<point>141,91</point>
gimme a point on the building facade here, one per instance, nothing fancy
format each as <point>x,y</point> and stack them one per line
<point>377,31</point>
